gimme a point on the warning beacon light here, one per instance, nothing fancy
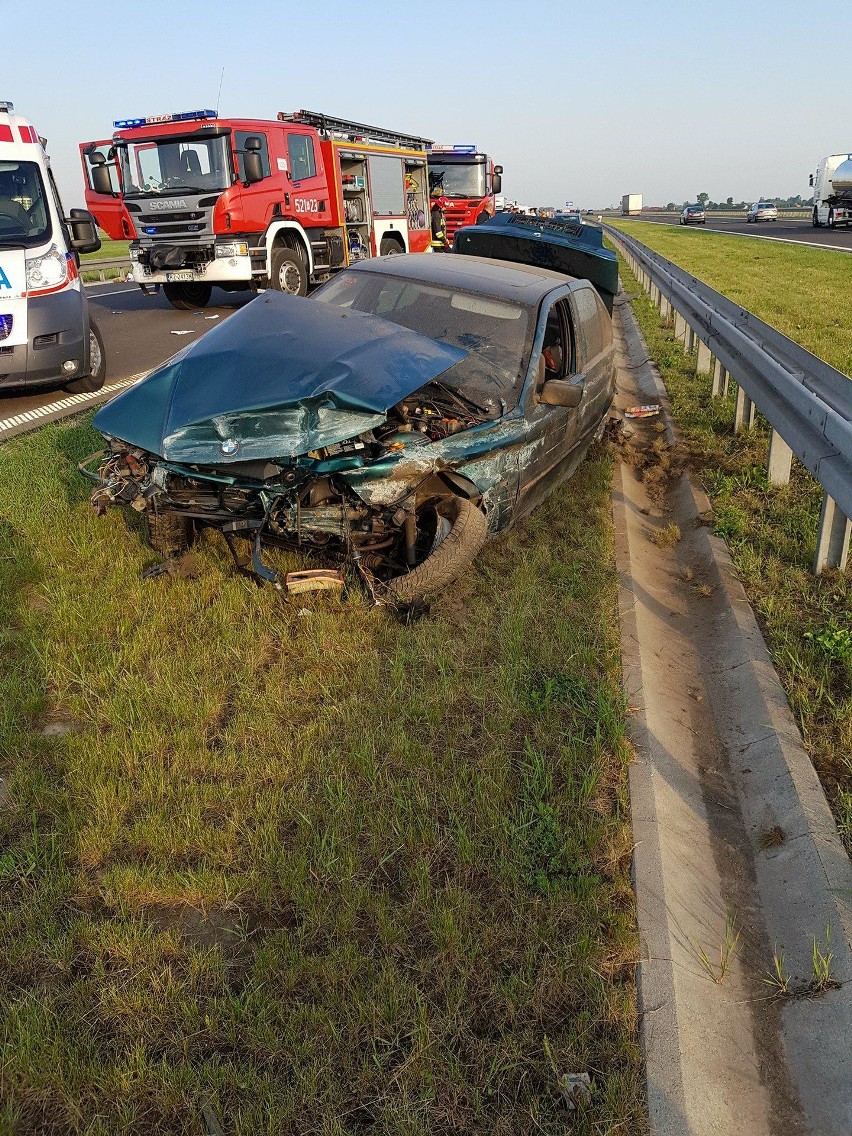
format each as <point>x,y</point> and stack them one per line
<point>155,119</point>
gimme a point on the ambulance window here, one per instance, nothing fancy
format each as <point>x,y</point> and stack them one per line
<point>24,217</point>
<point>240,146</point>
<point>302,162</point>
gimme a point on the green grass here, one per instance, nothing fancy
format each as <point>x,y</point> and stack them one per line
<point>108,250</point>
<point>329,872</point>
<point>803,292</point>
<point>771,533</point>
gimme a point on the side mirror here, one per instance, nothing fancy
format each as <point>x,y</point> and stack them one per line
<point>561,392</point>
<point>101,182</point>
<point>811,181</point>
<point>498,180</point>
<point>84,231</point>
<point>252,159</point>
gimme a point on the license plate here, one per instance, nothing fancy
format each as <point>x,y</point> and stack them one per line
<point>179,277</point>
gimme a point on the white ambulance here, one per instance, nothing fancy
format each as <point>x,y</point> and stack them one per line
<point>46,335</point>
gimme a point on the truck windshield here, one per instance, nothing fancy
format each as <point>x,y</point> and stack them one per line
<point>24,216</point>
<point>168,165</point>
<point>457,179</point>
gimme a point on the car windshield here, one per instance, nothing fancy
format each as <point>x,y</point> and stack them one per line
<point>24,216</point>
<point>169,165</point>
<point>495,332</point>
<point>457,179</point>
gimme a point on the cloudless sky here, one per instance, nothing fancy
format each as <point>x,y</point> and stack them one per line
<point>585,101</point>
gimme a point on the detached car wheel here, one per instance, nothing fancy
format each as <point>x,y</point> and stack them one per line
<point>170,534</point>
<point>467,529</point>
<point>97,363</point>
<point>289,273</point>
<point>185,297</point>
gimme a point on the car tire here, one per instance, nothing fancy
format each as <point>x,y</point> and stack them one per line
<point>390,247</point>
<point>468,532</point>
<point>97,363</point>
<point>289,274</point>
<point>186,297</point>
<point>830,222</point>
<point>815,221</point>
<point>169,533</point>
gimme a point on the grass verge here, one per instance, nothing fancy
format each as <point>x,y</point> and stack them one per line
<point>109,250</point>
<point>801,291</point>
<point>300,865</point>
<point>771,532</point>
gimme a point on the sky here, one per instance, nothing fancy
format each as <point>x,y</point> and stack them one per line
<point>581,102</point>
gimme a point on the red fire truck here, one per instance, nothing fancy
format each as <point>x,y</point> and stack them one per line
<point>463,183</point>
<point>242,203</point>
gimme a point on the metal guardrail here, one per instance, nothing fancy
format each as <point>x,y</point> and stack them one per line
<point>100,266</point>
<point>807,403</point>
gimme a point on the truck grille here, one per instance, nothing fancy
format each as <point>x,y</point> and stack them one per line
<point>182,227</point>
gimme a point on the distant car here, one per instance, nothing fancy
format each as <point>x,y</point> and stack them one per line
<point>762,211</point>
<point>693,215</point>
<point>413,406</point>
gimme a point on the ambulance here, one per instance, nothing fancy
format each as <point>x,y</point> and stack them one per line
<point>47,337</point>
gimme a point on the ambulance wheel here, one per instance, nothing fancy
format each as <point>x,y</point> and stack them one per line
<point>185,297</point>
<point>97,362</point>
<point>289,273</point>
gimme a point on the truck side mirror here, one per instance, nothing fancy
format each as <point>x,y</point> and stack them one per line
<point>811,181</point>
<point>252,160</point>
<point>101,181</point>
<point>83,230</point>
<point>497,180</point>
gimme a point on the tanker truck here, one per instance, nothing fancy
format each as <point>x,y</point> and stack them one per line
<point>832,186</point>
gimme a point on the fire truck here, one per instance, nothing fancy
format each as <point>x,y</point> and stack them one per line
<point>463,183</point>
<point>245,203</point>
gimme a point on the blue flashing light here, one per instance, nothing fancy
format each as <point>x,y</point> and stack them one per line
<point>465,149</point>
<point>150,231</point>
<point>156,119</point>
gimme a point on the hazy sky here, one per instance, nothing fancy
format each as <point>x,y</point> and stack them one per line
<point>583,101</point>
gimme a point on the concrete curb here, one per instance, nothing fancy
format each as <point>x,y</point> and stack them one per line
<point>789,892</point>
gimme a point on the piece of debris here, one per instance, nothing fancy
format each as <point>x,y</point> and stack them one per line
<point>181,333</point>
<point>186,566</point>
<point>647,411</point>
<point>211,317</point>
<point>576,1089</point>
<point>773,837</point>
<point>314,580</point>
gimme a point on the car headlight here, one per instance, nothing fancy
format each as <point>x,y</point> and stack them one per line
<point>47,272</point>
<point>235,249</point>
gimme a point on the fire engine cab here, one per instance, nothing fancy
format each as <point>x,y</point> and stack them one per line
<point>463,183</point>
<point>242,203</point>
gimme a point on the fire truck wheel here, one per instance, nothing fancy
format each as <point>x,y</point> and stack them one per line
<point>390,247</point>
<point>185,297</point>
<point>289,273</point>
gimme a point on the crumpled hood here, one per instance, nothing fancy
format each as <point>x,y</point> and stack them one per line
<point>280,377</point>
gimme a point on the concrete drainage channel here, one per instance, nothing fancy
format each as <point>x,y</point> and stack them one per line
<point>738,864</point>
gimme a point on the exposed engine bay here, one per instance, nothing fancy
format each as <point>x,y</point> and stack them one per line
<point>307,503</point>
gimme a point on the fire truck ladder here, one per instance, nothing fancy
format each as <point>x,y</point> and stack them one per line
<point>327,125</point>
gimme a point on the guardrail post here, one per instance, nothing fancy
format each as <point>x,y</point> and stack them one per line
<point>689,342</point>
<point>702,366</point>
<point>744,412</point>
<point>665,310</point>
<point>720,380</point>
<point>780,460</point>
<point>835,531</point>
<point>680,328</point>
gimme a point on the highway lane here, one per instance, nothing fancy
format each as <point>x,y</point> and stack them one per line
<point>139,333</point>
<point>799,231</point>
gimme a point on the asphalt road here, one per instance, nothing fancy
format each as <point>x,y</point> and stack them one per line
<point>800,231</point>
<point>139,333</point>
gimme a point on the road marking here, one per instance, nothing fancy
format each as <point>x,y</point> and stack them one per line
<point>64,406</point>
<point>118,292</point>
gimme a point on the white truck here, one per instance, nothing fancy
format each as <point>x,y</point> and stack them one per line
<point>832,186</point>
<point>631,204</point>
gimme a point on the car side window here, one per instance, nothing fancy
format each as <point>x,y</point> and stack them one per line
<point>594,331</point>
<point>557,350</point>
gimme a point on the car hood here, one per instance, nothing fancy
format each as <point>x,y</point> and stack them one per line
<point>281,377</point>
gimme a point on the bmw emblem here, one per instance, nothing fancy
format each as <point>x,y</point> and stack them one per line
<point>229,446</point>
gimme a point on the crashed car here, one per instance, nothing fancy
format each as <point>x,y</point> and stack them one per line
<point>413,406</point>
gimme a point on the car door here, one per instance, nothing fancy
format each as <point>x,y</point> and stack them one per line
<point>108,209</point>
<point>595,358</point>
<point>552,431</point>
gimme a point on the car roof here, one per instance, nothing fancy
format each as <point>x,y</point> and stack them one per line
<point>502,278</point>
